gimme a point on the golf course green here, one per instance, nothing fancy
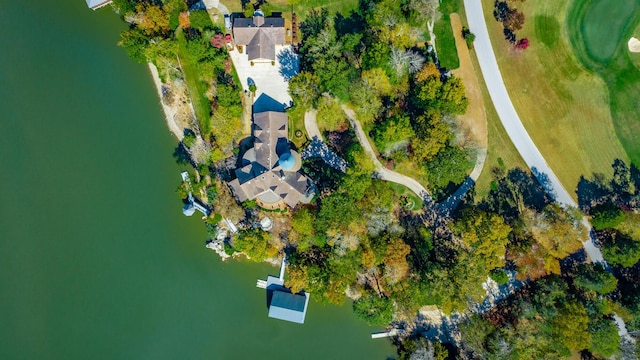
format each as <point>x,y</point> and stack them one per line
<point>599,31</point>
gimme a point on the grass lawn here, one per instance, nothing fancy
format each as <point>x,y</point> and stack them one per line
<point>413,201</point>
<point>564,107</point>
<point>635,57</point>
<point>196,85</point>
<point>446,44</point>
<point>303,7</point>
<point>296,122</point>
<point>593,23</point>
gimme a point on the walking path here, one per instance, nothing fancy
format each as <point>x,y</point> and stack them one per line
<point>516,131</point>
<point>383,172</point>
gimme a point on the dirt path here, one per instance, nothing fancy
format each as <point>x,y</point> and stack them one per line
<point>475,119</point>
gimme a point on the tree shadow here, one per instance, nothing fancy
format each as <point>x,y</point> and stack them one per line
<point>289,63</point>
<point>516,188</point>
<point>348,25</point>
<point>544,181</point>
<point>592,192</point>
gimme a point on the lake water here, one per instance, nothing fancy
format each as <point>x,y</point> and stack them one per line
<point>96,259</point>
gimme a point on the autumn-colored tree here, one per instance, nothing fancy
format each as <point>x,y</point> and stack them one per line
<point>152,19</point>
<point>395,260</point>
<point>487,235</point>
<point>559,231</point>
<point>522,44</point>
<point>377,80</point>
<point>571,326</point>
<point>514,20</point>
<point>255,244</point>
<point>226,204</point>
<point>183,20</point>
<point>296,279</point>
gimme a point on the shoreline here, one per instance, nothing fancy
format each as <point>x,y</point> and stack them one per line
<point>169,111</point>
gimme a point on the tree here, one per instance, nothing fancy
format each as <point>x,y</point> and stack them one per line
<point>375,310</point>
<point>452,98</point>
<point>522,44</point>
<point>595,278</point>
<point>152,19</point>
<point>134,42</point>
<point>486,234</point>
<point>330,116</point>
<point>393,131</point>
<point>304,88</point>
<point>255,244</point>
<point>620,249</point>
<point>227,205</point>
<point>377,80</point>
<point>605,339</point>
<point>570,327</point>
<point>558,230</point>
<point>200,20</point>
<point>249,9</point>
<point>395,260</point>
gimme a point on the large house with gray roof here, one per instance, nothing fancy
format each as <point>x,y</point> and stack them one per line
<point>269,170</point>
<point>259,35</point>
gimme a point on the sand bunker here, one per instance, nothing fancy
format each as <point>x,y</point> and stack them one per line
<point>634,45</point>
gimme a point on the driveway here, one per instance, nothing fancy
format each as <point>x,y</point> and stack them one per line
<point>269,79</point>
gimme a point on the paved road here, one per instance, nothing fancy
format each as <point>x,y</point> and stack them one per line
<point>510,120</point>
<point>516,131</point>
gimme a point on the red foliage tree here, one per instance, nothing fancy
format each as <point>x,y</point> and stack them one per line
<point>522,44</point>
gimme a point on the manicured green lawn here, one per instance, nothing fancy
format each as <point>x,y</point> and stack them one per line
<point>617,69</point>
<point>564,107</point>
<point>196,85</point>
<point>603,25</point>
<point>303,7</point>
<point>446,44</point>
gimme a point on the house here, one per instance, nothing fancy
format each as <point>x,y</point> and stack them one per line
<point>269,171</point>
<point>259,35</point>
<point>96,4</point>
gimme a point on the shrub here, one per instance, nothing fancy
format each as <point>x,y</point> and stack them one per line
<point>499,276</point>
<point>200,20</point>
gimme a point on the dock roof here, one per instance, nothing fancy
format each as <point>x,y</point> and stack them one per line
<point>289,307</point>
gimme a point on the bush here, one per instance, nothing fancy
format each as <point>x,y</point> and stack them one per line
<point>499,276</point>
<point>469,37</point>
<point>606,216</point>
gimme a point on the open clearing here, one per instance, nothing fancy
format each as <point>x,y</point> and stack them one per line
<point>617,70</point>
<point>564,108</point>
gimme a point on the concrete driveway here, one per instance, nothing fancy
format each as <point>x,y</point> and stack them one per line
<point>271,80</point>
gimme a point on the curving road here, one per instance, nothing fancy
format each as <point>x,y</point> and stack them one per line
<point>511,121</point>
<point>516,131</point>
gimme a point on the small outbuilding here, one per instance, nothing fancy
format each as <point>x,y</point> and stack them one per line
<point>288,307</point>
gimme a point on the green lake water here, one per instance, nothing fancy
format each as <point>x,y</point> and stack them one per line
<point>96,259</point>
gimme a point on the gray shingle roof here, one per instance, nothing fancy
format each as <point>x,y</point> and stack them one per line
<point>260,35</point>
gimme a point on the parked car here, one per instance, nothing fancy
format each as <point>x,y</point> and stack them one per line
<point>227,21</point>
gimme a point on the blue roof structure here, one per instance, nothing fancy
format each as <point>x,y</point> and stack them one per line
<point>289,307</point>
<point>96,4</point>
<point>286,161</point>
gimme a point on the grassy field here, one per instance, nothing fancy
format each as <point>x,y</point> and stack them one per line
<point>302,8</point>
<point>616,67</point>
<point>197,86</point>
<point>564,107</point>
<point>635,57</point>
<point>446,43</point>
